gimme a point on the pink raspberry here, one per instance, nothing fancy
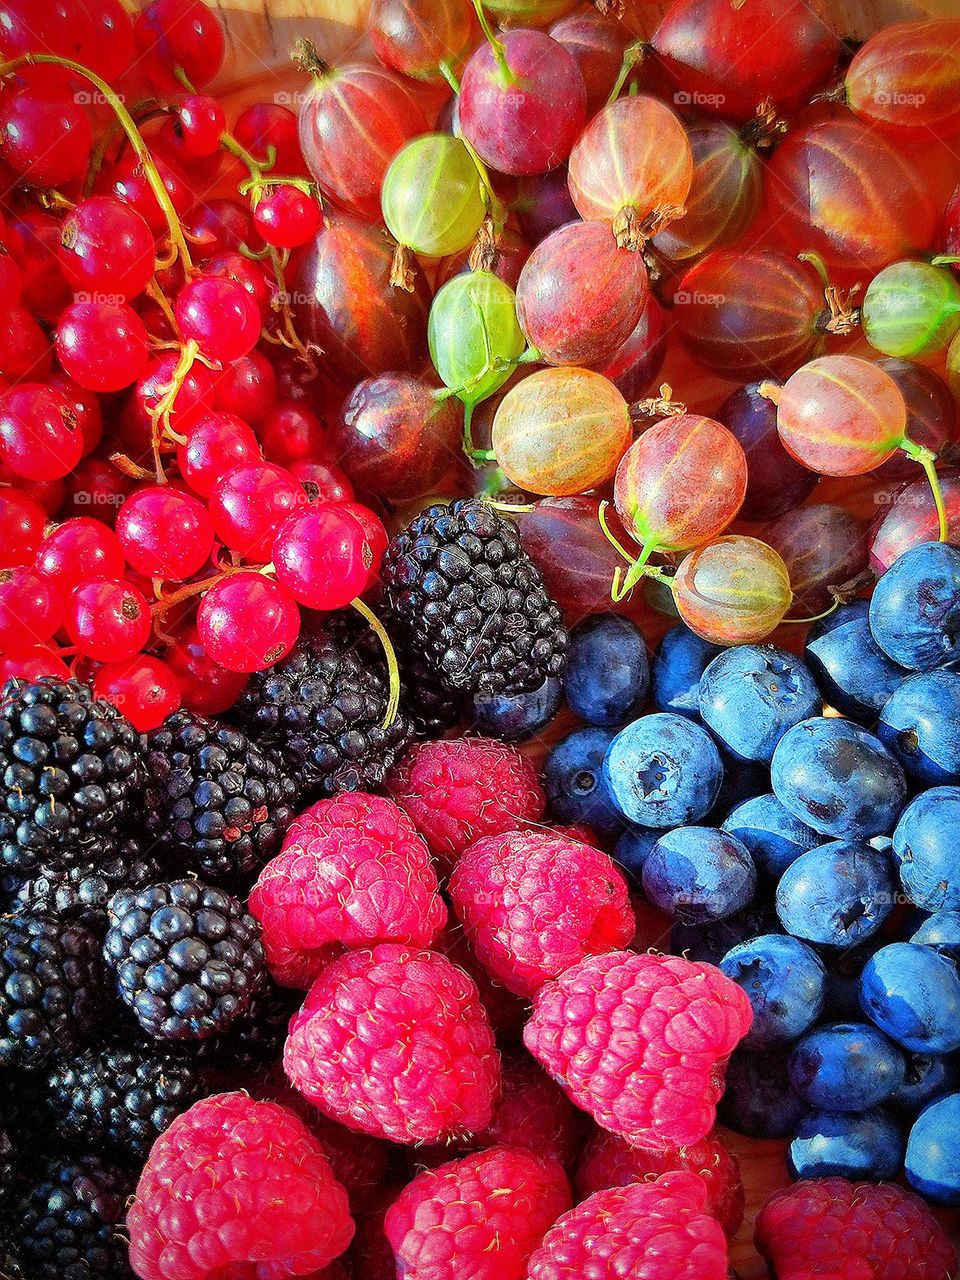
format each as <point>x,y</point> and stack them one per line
<point>507,1012</point>
<point>237,1188</point>
<point>533,1112</point>
<point>610,1161</point>
<point>533,903</point>
<point>352,871</point>
<point>815,1228</point>
<point>395,1042</point>
<point>458,790</point>
<point>640,1042</point>
<point>658,1230</point>
<point>481,1216</point>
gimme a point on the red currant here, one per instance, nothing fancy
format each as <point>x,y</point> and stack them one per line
<point>165,533</point>
<point>323,481</point>
<point>201,121</point>
<point>45,136</point>
<point>45,288</point>
<point>219,316</point>
<point>206,687</point>
<point>322,555</point>
<point>106,247</point>
<point>249,502</point>
<point>49,493</point>
<point>376,534</point>
<point>100,35</point>
<point>102,345</point>
<point>248,622</point>
<point>24,349</point>
<point>128,182</point>
<point>81,550</point>
<point>194,398</point>
<point>247,388</point>
<point>144,688</point>
<point>235,267</point>
<point>35,664</point>
<point>11,281</point>
<point>287,217</point>
<point>85,408</point>
<point>268,124</point>
<point>291,432</point>
<point>31,609</point>
<point>39,436</point>
<point>218,442</point>
<point>178,35</point>
<point>107,620</point>
<point>96,488</point>
<point>219,227</point>
<point>21,527</point>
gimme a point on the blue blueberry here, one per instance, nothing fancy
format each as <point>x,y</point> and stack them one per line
<point>709,943</point>
<point>757,1098</point>
<point>926,844</point>
<point>679,662</point>
<point>517,717</point>
<point>573,781</point>
<point>633,848</point>
<point>941,930</point>
<point>854,1145</point>
<point>846,1066</point>
<point>784,980</point>
<point>773,835</point>
<point>912,993</point>
<point>915,608</point>
<point>608,671</point>
<point>836,895</point>
<point>926,1078</point>
<point>838,779</point>
<point>933,1151</point>
<point>752,694</point>
<point>855,676</point>
<point>920,723</point>
<point>698,874</point>
<point>663,771</point>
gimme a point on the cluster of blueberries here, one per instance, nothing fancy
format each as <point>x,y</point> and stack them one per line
<point>799,821</point>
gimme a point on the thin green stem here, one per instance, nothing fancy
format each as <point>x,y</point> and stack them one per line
<point>393,669</point>
<point>633,55</point>
<point>818,264</point>
<point>496,46</point>
<point>928,460</point>
<point>448,73</point>
<point>798,622</point>
<point>496,207</point>
<point>945,259</point>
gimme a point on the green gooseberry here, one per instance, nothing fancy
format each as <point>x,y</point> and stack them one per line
<point>911,309</point>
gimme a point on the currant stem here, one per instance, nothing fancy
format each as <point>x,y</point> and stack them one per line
<point>496,46</point>
<point>633,56</point>
<point>928,460</point>
<point>393,669</point>
<point>293,339</point>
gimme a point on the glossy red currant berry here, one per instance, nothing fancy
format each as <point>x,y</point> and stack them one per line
<point>106,247</point>
<point>85,406</point>
<point>45,288</point>
<point>201,121</point>
<point>269,124</point>
<point>291,432</point>
<point>128,182</point>
<point>144,688</point>
<point>39,435</point>
<point>81,550</point>
<point>249,502</point>
<point>376,534</point>
<point>287,217</point>
<point>24,349</point>
<point>178,35</point>
<point>220,316</point>
<point>323,481</point>
<point>21,527</point>
<point>45,136</point>
<point>102,345</point>
<point>322,555</point>
<point>248,622</point>
<point>247,388</point>
<point>34,665</point>
<point>97,489</point>
<point>220,226</point>
<point>165,533</point>
<point>31,609</point>
<point>218,443</point>
<point>235,267</point>
<point>11,281</point>
<point>107,620</point>
<point>194,397</point>
<point>206,687</point>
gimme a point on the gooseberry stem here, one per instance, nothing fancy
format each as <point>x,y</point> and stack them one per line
<point>633,55</point>
<point>450,76</point>
<point>771,391</point>
<point>928,460</point>
<point>817,617</point>
<point>128,124</point>
<point>623,585</point>
<point>496,46</point>
<point>393,669</point>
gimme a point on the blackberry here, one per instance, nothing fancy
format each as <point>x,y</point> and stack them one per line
<point>432,708</point>
<point>51,988</point>
<point>186,957</point>
<point>82,893</point>
<point>322,708</point>
<point>7,1169</point>
<point>71,770</point>
<point>471,601</point>
<point>67,1225</point>
<point>255,1040</point>
<point>122,1097</point>
<point>214,802</point>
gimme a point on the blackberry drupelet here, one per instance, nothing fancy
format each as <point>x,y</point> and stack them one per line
<point>214,802</point>
<point>51,988</point>
<point>255,1040</point>
<point>186,957</point>
<point>122,1097</point>
<point>470,599</point>
<point>431,707</point>
<point>322,708</point>
<point>71,769</point>
<point>82,893</point>
<point>68,1223</point>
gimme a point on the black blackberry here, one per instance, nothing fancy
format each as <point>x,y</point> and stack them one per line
<point>256,1039</point>
<point>322,708</point>
<point>71,770</point>
<point>472,602</point>
<point>67,1225</point>
<point>214,802</point>
<point>82,893</point>
<point>122,1097</point>
<point>51,988</point>
<point>187,958</point>
<point>432,707</point>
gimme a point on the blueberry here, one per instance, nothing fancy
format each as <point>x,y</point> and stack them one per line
<point>663,770</point>
<point>573,781</point>
<point>710,942</point>
<point>926,1078</point>
<point>926,843</point>
<point>941,930</point>
<point>846,1066</point>
<point>752,694</point>
<point>933,1151</point>
<point>517,717</point>
<point>784,980</point>
<point>633,849</point>
<point>679,662</point>
<point>757,1098</point>
<point>855,676</point>
<point>836,895</point>
<point>608,672</point>
<point>838,779</point>
<point>915,609</point>
<point>920,723</point>
<point>773,835</point>
<point>698,874</point>
<point>913,994</point>
<point>853,1145</point>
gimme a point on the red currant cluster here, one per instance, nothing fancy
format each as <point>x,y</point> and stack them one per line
<point>152,378</point>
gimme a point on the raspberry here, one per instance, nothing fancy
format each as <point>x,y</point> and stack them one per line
<point>534,903</point>
<point>507,1012</point>
<point>815,1228</point>
<point>640,1042</point>
<point>236,1188</point>
<point>609,1161</point>
<point>481,1216</point>
<point>351,871</point>
<point>457,791</point>
<point>395,1042</point>
<point>533,1112</point>
<point>659,1229</point>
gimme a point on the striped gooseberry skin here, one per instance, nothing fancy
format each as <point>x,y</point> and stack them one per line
<point>596,45</point>
<point>845,191</point>
<point>911,309</point>
<point>352,123</point>
<point>906,78</point>
<point>724,194</point>
<point>528,13</point>
<point>633,160</point>
<point>823,545</point>
<point>580,295</point>
<point>432,198</point>
<point>749,314</point>
<point>931,414</point>
<point>734,590</point>
<point>841,416</point>
<point>561,431</point>
<point>681,483</point>
<point>415,36</point>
